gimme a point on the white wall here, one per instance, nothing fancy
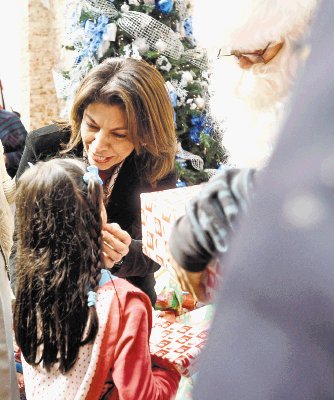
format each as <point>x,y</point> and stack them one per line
<point>10,53</point>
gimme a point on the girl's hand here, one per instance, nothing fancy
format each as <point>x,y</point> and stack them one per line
<point>116,244</point>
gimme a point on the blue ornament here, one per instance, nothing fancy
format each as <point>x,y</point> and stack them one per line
<point>194,134</point>
<point>180,184</point>
<point>188,26</point>
<point>181,162</point>
<point>165,6</point>
<point>200,124</point>
<point>173,97</point>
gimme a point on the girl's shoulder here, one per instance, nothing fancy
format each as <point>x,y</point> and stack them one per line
<point>119,284</point>
<point>124,290</point>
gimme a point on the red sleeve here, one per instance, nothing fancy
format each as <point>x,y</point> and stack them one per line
<point>132,371</point>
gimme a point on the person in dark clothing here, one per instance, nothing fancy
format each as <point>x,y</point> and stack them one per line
<point>272,335</point>
<point>12,135</point>
<point>122,122</point>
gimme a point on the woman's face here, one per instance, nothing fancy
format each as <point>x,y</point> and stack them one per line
<point>105,135</point>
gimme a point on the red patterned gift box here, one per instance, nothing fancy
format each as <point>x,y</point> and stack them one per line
<point>159,211</point>
<point>178,343</point>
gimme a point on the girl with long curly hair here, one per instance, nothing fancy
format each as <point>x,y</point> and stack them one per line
<point>83,332</point>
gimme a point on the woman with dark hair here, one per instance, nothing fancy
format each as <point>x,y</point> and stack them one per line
<point>122,122</point>
<point>83,332</point>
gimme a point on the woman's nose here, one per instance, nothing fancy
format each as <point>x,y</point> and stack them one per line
<point>100,141</point>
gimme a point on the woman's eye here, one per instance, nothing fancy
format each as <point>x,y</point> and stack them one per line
<point>119,135</point>
<point>90,126</point>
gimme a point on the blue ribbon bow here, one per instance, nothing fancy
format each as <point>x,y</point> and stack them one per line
<point>92,173</point>
<point>91,301</point>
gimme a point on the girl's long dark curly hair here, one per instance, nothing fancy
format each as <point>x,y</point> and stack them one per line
<point>59,258</point>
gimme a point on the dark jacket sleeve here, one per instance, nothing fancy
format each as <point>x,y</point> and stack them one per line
<point>27,156</point>
<point>211,218</point>
<point>136,263</point>
<point>42,144</point>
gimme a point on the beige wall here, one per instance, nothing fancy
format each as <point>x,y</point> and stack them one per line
<point>42,29</point>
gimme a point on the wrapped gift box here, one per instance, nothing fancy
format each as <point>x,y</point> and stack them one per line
<point>159,211</point>
<point>178,343</point>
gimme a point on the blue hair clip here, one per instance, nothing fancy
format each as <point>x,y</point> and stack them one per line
<point>92,173</point>
<point>91,301</point>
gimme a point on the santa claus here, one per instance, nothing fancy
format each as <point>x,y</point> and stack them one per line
<point>254,49</point>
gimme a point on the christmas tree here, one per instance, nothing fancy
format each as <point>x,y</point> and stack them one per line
<point>160,32</point>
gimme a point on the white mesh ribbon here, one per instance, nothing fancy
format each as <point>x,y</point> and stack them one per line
<point>99,7</point>
<point>159,36</point>
<point>140,25</point>
<point>196,57</point>
<point>211,172</point>
<point>196,161</point>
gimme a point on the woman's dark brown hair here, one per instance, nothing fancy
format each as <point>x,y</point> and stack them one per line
<point>59,257</point>
<point>140,89</point>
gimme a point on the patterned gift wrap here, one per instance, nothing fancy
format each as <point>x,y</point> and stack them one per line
<point>178,343</point>
<point>159,211</point>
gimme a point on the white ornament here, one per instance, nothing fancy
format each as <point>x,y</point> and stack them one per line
<point>193,106</point>
<point>163,63</point>
<point>187,76</point>
<point>135,53</point>
<point>125,8</point>
<point>180,102</point>
<point>200,102</point>
<point>110,34</point>
<point>127,51</point>
<point>134,2</point>
<point>141,45</point>
<point>205,74</point>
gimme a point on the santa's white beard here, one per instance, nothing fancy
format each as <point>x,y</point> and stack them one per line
<point>250,136</point>
<point>250,104</point>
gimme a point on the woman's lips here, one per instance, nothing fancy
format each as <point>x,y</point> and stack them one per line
<point>100,159</point>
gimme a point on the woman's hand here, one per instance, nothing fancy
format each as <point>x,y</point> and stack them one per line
<point>116,244</point>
